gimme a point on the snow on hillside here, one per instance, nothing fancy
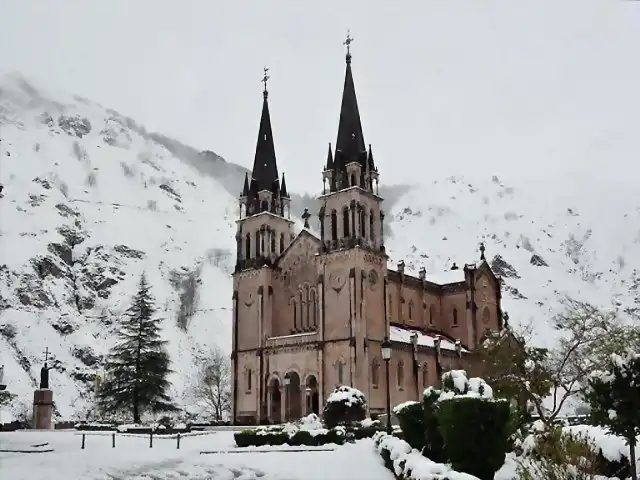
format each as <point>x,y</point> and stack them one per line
<point>88,205</point>
<point>576,237</point>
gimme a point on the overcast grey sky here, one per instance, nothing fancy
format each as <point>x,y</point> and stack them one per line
<point>445,87</point>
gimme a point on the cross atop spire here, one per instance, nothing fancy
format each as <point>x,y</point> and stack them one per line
<point>264,80</point>
<point>348,43</point>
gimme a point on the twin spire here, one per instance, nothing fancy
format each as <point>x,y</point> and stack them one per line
<point>350,146</point>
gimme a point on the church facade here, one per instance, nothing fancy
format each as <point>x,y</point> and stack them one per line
<point>311,312</point>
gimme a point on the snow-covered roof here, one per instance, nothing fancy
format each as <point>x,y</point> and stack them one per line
<point>403,335</point>
<point>448,276</point>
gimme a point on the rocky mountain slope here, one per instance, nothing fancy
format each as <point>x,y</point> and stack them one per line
<point>91,200</point>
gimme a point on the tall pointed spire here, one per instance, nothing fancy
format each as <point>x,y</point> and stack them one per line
<point>350,145</point>
<point>265,170</point>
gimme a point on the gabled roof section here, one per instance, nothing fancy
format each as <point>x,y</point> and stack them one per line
<point>483,267</point>
<point>304,234</point>
<point>265,169</point>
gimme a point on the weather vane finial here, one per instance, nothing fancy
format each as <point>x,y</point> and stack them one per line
<point>265,78</point>
<point>348,43</point>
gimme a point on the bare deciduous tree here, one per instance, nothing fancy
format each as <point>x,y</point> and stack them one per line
<point>588,336</point>
<point>213,384</point>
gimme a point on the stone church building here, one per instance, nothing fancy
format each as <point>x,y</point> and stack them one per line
<point>310,313</point>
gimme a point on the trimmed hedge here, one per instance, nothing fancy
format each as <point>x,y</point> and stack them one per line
<point>278,436</point>
<point>411,418</point>
<point>475,433</point>
<point>345,406</point>
<point>433,442</point>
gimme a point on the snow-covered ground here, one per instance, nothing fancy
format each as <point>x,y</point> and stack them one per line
<point>132,459</point>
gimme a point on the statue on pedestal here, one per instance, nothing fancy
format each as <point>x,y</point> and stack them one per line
<point>44,377</point>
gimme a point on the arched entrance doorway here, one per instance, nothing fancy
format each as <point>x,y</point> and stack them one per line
<point>275,401</point>
<point>293,405</point>
<point>313,398</point>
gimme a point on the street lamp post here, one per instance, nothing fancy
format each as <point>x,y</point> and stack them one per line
<point>386,356</point>
<point>414,345</point>
<point>287,381</point>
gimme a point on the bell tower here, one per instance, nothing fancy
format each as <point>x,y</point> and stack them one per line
<point>263,233</point>
<point>351,213</point>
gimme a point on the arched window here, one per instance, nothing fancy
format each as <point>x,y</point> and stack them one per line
<point>264,206</point>
<point>432,315</point>
<point>248,379</point>
<point>309,306</point>
<point>410,309</point>
<point>314,307</point>
<point>258,250</point>
<point>301,320</point>
<point>263,249</point>
<point>363,216</point>
<point>375,373</point>
<point>400,374</point>
<point>390,308</point>
<point>353,180</point>
<point>272,235</point>
<point>425,375</point>
<point>455,316</point>
<point>340,372</point>
<point>486,315</point>
<point>372,232</point>
<point>425,313</point>
<point>294,313</point>
<point>281,242</point>
<point>345,223</point>
<point>334,226</point>
<point>247,246</point>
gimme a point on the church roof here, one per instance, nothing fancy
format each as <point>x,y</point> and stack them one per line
<point>264,175</point>
<point>350,145</point>
<point>403,335</point>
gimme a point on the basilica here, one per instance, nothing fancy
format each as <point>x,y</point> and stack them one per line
<point>311,312</point>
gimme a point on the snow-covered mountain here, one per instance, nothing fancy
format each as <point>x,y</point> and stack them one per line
<point>91,200</point>
<point>547,238</point>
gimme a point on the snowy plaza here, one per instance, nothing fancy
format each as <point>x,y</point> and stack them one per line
<point>133,459</point>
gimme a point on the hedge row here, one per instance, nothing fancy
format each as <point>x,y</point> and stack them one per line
<point>312,438</point>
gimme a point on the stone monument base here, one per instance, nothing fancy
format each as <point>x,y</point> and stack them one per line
<point>42,409</point>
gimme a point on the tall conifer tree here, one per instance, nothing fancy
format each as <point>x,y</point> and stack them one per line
<point>138,365</point>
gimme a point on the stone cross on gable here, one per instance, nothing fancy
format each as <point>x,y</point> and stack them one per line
<point>305,216</point>
<point>46,354</point>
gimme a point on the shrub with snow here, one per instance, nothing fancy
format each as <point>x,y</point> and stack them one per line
<point>474,426</point>
<point>412,422</point>
<point>345,406</point>
<point>407,463</point>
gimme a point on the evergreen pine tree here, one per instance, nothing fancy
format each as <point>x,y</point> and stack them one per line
<point>138,365</point>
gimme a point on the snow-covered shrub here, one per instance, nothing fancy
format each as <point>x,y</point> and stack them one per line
<point>308,432</point>
<point>411,418</point>
<point>345,406</point>
<point>554,454</point>
<point>474,426</point>
<point>407,463</point>
<point>433,443</point>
